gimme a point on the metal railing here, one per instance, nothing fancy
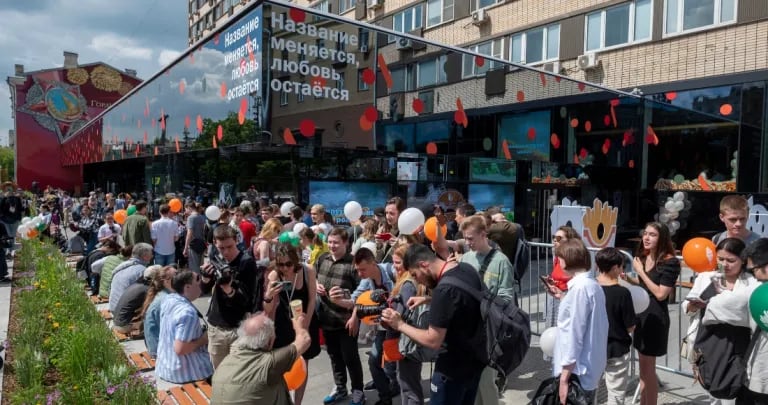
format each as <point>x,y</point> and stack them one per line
<point>533,300</point>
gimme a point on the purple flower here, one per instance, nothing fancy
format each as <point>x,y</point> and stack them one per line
<point>111,390</point>
<point>27,288</point>
<point>52,397</point>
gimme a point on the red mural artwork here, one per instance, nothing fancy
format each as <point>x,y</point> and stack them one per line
<point>50,106</point>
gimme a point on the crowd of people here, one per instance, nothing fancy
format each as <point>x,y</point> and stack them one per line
<point>257,263</point>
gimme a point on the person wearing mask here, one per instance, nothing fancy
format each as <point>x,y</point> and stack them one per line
<point>658,270</point>
<point>292,280</point>
<point>159,288</point>
<point>582,324</point>
<point>253,372</point>
<point>454,319</point>
<point>236,290</point>
<point>182,356</point>
<point>336,279</point>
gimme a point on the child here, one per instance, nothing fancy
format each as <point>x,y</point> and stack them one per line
<point>621,322</point>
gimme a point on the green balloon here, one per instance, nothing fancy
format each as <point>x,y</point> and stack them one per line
<point>131,209</point>
<point>41,226</point>
<point>289,237</point>
<point>758,306</point>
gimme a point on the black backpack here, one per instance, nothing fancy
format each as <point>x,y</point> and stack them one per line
<point>720,359</point>
<point>507,328</point>
<point>510,238</point>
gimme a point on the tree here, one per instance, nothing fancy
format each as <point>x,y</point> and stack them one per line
<point>7,162</point>
<point>233,132</point>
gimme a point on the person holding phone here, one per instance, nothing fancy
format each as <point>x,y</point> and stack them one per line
<point>290,280</point>
<point>556,284</point>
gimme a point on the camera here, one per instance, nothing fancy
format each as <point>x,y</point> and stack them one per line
<point>381,302</point>
<point>222,272</point>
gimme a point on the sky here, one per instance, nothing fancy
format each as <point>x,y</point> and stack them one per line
<point>144,35</point>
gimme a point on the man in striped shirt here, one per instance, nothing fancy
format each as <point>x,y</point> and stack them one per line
<point>182,354</point>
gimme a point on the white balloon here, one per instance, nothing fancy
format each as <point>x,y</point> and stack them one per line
<point>213,213</point>
<point>548,340</point>
<point>370,246</point>
<point>640,299</point>
<point>674,226</point>
<point>663,218</point>
<point>410,220</point>
<point>669,205</point>
<point>678,196</point>
<point>25,220</point>
<point>353,210</point>
<point>300,226</point>
<point>245,203</point>
<point>673,214</point>
<point>22,230</point>
<point>285,209</point>
<point>679,206</point>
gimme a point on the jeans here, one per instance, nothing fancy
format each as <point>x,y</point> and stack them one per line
<point>165,260</point>
<point>342,349</point>
<point>447,391</point>
<point>381,378</point>
<point>91,243</point>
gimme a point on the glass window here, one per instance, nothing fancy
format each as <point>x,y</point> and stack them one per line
<point>283,98</point>
<point>620,25</point>
<point>686,15</point>
<point>361,84</point>
<point>427,73</point>
<point>536,45</point>
<point>345,5</point>
<point>478,4</point>
<point>406,21</point>
<point>439,11</point>
<point>491,48</point>
<point>340,82</point>
<point>402,79</point>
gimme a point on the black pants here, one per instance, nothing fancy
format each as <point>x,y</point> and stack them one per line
<point>342,349</point>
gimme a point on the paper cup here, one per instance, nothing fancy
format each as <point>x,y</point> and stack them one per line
<point>296,308</point>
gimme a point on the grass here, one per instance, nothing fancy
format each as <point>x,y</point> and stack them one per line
<point>59,349</point>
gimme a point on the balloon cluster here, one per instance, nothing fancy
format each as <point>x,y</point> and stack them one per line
<point>290,237</point>
<point>734,164</point>
<point>30,228</point>
<point>673,210</point>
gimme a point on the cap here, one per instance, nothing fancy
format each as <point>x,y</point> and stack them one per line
<point>379,212</point>
<point>151,271</point>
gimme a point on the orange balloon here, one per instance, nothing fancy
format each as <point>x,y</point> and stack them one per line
<point>296,375</point>
<point>120,216</point>
<point>391,349</point>
<point>430,229</point>
<point>365,300</point>
<point>700,254</point>
<point>32,233</point>
<point>175,205</point>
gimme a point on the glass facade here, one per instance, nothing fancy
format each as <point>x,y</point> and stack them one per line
<point>284,97</point>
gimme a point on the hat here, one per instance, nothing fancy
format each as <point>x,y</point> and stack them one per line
<point>379,212</point>
<point>151,271</point>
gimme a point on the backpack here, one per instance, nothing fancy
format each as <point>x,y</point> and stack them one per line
<point>510,238</point>
<point>417,317</point>
<point>507,328</point>
<point>721,352</point>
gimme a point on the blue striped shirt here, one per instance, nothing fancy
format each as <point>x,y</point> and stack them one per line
<point>179,321</point>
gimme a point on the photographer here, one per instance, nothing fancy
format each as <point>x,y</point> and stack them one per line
<point>110,230</point>
<point>374,279</point>
<point>87,227</point>
<point>236,284</point>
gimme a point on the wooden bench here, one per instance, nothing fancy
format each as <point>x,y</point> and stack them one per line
<point>121,337</point>
<point>98,299</point>
<point>105,314</point>
<point>199,392</point>
<point>143,361</point>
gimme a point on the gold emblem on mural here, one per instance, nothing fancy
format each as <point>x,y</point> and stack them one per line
<point>125,88</point>
<point>107,79</point>
<point>78,76</point>
<point>600,214</point>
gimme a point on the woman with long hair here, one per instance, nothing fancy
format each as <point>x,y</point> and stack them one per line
<point>312,245</point>
<point>657,269</point>
<point>291,280</point>
<point>368,235</point>
<point>159,288</point>
<point>262,244</point>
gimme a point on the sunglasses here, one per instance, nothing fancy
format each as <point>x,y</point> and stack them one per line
<point>283,264</point>
<point>557,238</point>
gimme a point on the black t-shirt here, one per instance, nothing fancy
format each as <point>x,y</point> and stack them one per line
<point>459,313</point>
<point>621,316</point>
<point>130,303</point>
<point>248,282</point>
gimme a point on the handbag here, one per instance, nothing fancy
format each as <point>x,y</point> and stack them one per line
<point>720,359</point>
<point>548,392</point>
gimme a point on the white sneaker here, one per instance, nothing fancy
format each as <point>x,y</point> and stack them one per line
<point>358,398</point>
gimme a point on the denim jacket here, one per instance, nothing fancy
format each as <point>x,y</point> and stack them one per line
<point>367,284</point>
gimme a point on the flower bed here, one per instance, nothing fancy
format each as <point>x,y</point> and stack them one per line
<point>59,350</point>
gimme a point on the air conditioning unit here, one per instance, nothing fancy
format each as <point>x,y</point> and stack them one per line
<point>374,4</point>
<point>553,67</point>
<point>479,17</point>
<point>364,48</point>
<point>404,44</point>
<point>588,61</point>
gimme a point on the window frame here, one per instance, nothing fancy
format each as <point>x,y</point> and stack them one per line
<point>361,85</point>
<point>632,27</point>
<point>407,79</point>
<point>681,21</point>
<point>439,67</point>
<point>351,3</point>
<point>492,64</point>
<point>284,98</point>
<point>420,22</point>
<point>443,8</point>
<point>474,5</point>
<point>545,44</point>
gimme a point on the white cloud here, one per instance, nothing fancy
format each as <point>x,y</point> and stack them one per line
<point>114,45</point>
<point>167,56</point>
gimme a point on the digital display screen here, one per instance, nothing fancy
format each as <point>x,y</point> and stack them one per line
<point>333,195</point>
<point>484,196</point>
<point>526,134</point>
<point>497,170</point>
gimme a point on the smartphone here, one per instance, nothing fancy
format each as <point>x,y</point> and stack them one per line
<point>346,293</point>
<point>383,236</point>
<point>287,285</point>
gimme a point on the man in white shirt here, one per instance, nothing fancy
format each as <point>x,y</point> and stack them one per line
<point>110,229</point>
<point>165,233</point>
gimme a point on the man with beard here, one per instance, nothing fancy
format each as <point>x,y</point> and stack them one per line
<point>454,319</point>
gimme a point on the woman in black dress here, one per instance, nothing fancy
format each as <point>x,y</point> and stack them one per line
<point>301,285</point>
<point>657,269</point>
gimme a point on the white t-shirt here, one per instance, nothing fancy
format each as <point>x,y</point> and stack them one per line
<point>164,230</point>
<point>105,231</point>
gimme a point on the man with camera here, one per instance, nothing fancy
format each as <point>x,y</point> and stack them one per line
<point>379,283</point>
<point>236,286</point>
<point>110,230</point>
